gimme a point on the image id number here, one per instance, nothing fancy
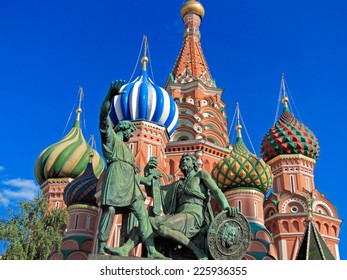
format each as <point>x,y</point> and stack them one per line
<point>218,270</point>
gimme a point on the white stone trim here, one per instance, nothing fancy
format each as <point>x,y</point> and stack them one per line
<point>326,206</point>
<point>302,203</point>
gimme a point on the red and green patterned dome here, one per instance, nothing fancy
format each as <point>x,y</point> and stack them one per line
<point>242,169</point>
<point>289,136</point>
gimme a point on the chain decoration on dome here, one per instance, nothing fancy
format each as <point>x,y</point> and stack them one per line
<point>289,136</point>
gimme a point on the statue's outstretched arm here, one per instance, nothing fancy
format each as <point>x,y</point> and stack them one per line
<point>106,105</point>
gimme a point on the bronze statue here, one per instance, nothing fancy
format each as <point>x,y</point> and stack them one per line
<point>120,188</point>
<point>228,237</point>
<point>187,206</point>
<point>187,210</point>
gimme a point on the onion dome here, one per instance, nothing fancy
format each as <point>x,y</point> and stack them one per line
<point>83,188</point>
<point>192,7</point>
<point>144,100</point>
<point>289,136</point>
<point>67,158</point>
<point>242,169</point>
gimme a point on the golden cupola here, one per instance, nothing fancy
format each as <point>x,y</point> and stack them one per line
<point>192,7</point>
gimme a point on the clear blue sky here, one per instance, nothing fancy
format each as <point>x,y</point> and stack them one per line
<point>50,48</point>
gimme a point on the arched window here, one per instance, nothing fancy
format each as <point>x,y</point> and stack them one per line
<point>292,183</point>
<point>307,180</point>
<point>239,206</point>
<point>76,221</point>
<point>255,209</point>
<point>296,226</point>
<point>191,101</point>
<point>88,222</point>
<point>57,205</point>
<point>150,148</point>
<point>285,226</point>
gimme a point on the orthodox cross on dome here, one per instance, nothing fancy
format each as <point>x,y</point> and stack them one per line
<point>143,100</point>
<point>238,126</point>
<point>79,109</point>
<point>285,97</point>
<point>144,59</point>
<point>288,135</point>
<point>92,147</point>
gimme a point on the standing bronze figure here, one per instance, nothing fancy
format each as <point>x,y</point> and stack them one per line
<point>120,188</point>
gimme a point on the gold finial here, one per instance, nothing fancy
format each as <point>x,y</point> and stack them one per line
<point>79,109</point>
<point>238,129</point>
<point>238,126</point>
<point>285,99</point>
<point>144,59</point>
<point>192,7</point>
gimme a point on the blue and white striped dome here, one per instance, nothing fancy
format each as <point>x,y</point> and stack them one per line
<point>144,100</point>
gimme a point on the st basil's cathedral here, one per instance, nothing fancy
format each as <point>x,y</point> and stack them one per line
<point>289,218</point>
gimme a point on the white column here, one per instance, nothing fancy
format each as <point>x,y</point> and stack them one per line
<point>283,249</point>
<point>337,251</point>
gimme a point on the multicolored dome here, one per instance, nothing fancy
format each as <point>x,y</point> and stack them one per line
<point>143,100</point>
<point>289,136</point>
<point>242,169</point>
<point>67,158</point>
<point>82,189</point>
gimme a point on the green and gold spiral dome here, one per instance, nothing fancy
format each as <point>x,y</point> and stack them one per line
<point>242,169</point>
<point>67,158</point>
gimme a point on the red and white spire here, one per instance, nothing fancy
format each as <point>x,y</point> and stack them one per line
<point>191,64</point>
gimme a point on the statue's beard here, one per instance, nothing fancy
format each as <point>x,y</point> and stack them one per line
<point>186,169</point>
